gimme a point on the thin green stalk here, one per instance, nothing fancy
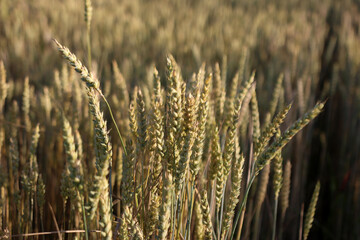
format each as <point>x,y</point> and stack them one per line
<point>84,219</point>
<point>88,17</point>
<point>180,212</point>
<point>275,217</point>
<point>222,207</point>
<point>175,213</point>
<point>31,207</point>
<point>143,192</point>
<point>88,39</point>
<point>217,218</point>
<point>110,186</point>
<point>172,216</point>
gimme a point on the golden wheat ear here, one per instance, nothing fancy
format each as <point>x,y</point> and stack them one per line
<point>309,218</point>
<point>86,76</point>
<point>205,210</point>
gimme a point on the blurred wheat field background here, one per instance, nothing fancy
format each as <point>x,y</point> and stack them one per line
<point>179,119</point>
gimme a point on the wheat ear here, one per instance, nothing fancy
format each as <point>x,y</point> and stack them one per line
<point>206,216</point>
<point>270,152</point>
<point>309,218</point>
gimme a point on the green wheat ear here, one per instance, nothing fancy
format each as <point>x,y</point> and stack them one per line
<point>278,144</point>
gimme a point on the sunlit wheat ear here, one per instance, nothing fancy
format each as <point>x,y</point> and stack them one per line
<point>278,173</point>
<point>30,172</point>
<point>195,83</point>
<point>216,159</point>
<point>77,102</point>
<point>189,129</point>
<point>46,103</point>
<point>105,210</point>
<point>199,225</point>
<point>134,230</point>
<point>218,95</point>
<point>216,171</point>
<point>152,215</point>
<point>88,13</point>
<point>183,103</point>
<point>156,132</point>
<point>233,199</point>
<point>309,218</point>
<point>3,86</point>
<point>142,122</point>
<point>206,216</point>
<point>165,208</point>
<point>255,116</point>
<point>40,195</point>
<point>72,157</point>
<point>34,143</point>
<point>232,126</point>
<point>99,190</point>
<point>202,115</point>
<point>157,86</point>
<point>65,186</point>
<point>285,189</point>
<point>243,64</point>
<point>275,98</point>
<point>229,101</point>
<point>103,152</point>
<point>123,229</point>
<point>26,104</point>
<point>174,114</point>
<point>79,149</point>
<point>86,76</point>
<point>133,119</point>
<point>200,76</point>
<point>224,69</point>
<point>277,145</point>
<point>121,84</point>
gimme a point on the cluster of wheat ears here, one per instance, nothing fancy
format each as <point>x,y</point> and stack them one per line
<point>179,171</point>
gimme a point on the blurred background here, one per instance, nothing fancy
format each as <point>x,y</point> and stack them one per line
<point>314,44</point>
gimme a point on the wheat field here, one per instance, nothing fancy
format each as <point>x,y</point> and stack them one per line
<point>178,119</point>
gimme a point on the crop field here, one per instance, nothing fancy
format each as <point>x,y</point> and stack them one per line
<point>180,119</point>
